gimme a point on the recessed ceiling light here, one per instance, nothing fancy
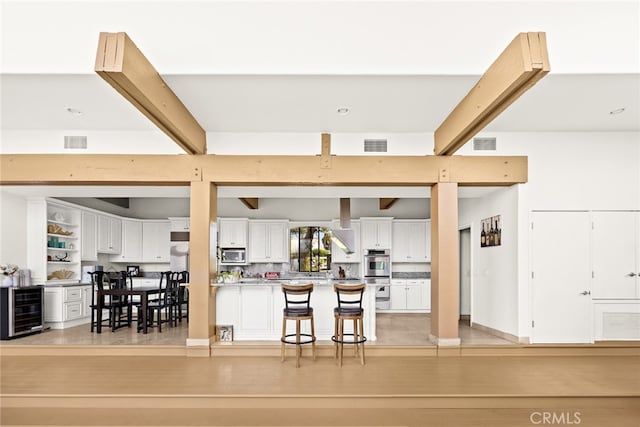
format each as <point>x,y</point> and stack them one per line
<point>616,111</point>
<point>343,111</point>
<point>74,111</point>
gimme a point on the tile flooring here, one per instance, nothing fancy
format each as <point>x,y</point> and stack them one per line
<point>392,329</point>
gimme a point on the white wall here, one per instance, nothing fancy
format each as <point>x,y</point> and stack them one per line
<point>494,274</point>
<point>98,142</point>
<point>567,171</point>
<point>13,229</point>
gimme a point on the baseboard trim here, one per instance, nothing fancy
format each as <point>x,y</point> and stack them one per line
<point>504,335</point>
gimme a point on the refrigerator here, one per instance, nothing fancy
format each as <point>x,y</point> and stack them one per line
<point>179,251</point>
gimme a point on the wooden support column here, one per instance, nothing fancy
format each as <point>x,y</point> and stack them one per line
<point>202,250</point>
<point>445,298</point>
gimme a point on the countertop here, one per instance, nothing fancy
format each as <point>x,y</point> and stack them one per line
<point>300,281</point>
<point>411,275</point>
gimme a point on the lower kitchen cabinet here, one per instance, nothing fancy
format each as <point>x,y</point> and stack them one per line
<point>412,295</point>
<point>67,306</point>
<point>255,311</point>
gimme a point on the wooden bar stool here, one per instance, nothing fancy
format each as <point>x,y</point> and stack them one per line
<point>349,308</point>
<point>297,307</point>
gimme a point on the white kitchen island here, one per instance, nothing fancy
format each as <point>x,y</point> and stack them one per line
<point>255,310</point>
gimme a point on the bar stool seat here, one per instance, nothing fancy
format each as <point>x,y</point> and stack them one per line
<point>297,307</point>
<point>349,308</point>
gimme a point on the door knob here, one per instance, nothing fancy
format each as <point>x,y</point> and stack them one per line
<point>585,293</point>
<point>632,274</point>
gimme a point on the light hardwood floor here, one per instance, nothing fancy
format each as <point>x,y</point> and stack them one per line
<point>387,391</point>
<point>392,329</point>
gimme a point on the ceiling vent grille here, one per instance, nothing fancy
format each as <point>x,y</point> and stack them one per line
<point>375,145</point>
<point>75,142</point>
<point>484,144</point>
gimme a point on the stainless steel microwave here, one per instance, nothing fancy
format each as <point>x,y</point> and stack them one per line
<point>233,256</point>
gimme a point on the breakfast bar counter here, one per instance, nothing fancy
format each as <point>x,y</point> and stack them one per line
<point>254,308</point>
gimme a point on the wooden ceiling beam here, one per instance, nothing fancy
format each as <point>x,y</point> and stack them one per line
<point>109,169</point>
<point>386,203</point>
<point>121,64</point>
<point>521,65</point>
<point>250,202</point>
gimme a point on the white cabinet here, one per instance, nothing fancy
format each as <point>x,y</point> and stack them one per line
<point>340,256</point>
<point>411,241</point>
<point>616,255</point>
<point>179,224</point>
<point>268,241</point>
<point>155,241</point>
<point>131,242</point>
<point>410,295</point>
<point>89,246</point>
<point>54,236</point>
<point>232,232</point>
<point>109,234</point>
<point>376,233</point>
<point>67,306</point>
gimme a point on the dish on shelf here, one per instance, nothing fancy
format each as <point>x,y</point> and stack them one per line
<point>60,274</point>
<point>56,229</point>
<point>58,216</point>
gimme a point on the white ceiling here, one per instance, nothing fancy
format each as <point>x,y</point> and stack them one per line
<point>309,103</point>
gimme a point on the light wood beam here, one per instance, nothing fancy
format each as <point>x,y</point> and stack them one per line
<point>250,202</point>
<point>325,151</point>
<point>60,169</point>
<point>445,296</point>
<point>386,203</point>
<point>521,65</point>
<point>202,266</point>
<point>121,64</point>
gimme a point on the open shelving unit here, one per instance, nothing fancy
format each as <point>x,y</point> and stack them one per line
<point>53,241</point>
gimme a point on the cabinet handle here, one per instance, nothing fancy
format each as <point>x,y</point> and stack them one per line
<point>632,274</point>
<point>585,293</point>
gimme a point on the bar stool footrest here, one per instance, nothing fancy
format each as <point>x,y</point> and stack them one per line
<point>309,341</point>
<point>335,339</point>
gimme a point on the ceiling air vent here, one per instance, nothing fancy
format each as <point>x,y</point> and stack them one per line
<point>375,145</point>
<point>484,144</point>
<point>75,142</point>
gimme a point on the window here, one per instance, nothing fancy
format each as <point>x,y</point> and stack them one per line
<point>310,249</point>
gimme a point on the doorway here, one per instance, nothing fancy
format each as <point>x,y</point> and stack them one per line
<point>465,274</point>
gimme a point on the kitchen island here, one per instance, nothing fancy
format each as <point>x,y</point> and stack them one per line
<point>254,308</point>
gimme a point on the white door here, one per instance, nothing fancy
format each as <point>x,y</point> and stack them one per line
<point>614,254</point>
<point>561,277</point>
<point>465,272</point>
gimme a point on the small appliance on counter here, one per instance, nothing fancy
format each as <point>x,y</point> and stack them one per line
<point>271,275</point>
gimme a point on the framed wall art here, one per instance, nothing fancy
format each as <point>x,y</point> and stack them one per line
<point>491,232</point>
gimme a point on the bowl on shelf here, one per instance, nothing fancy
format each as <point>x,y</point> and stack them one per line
<point>60,274</point>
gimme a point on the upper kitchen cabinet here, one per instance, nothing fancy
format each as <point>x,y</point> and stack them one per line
<point>268,241</point>
<point>376,233</point>
<point>232,232</point>
<point>109,234</point>
<point>156,241</point>
<point>340,256</point>
<point>181,224</point>
<point>53,241</point>
<point>411,241</point>
<point>89,246</point>
<point>131,242</point>
<point>616,255</point>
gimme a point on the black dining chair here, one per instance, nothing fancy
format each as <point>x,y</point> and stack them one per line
<point>163,304</point>
<point>183,296</point>
<point>113,304</point>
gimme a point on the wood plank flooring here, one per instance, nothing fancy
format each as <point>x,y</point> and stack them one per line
<point>412,391</point>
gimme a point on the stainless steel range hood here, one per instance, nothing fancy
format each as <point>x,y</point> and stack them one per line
<point>344,237</point>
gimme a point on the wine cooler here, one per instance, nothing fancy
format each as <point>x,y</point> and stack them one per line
<point>21,311</point>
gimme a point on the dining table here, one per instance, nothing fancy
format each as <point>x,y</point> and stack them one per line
<point>143,292</point>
